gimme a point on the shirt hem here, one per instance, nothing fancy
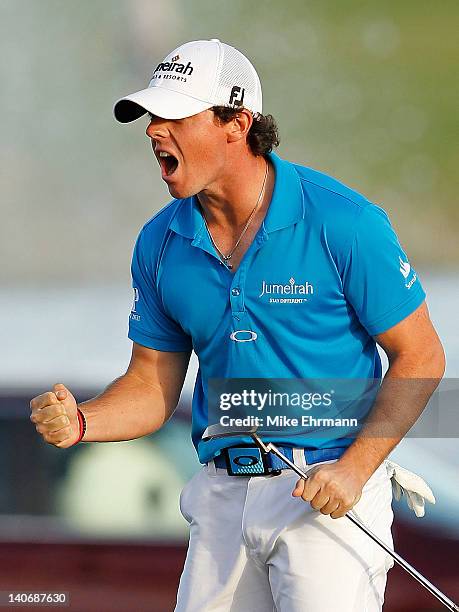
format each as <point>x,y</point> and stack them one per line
<point>397,315</point>
<point>157,344</point>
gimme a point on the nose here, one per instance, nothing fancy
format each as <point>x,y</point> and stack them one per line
<point>157,128</point>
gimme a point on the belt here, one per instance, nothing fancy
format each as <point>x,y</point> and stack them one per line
<point>248,460</point>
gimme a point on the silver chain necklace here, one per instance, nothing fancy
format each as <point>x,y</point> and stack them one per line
<point>225,258</point>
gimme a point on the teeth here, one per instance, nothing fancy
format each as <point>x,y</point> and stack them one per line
<point>164,154</point>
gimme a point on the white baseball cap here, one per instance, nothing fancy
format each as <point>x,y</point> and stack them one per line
<point>192,78</point>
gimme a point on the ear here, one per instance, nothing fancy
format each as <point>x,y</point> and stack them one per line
<point>238,128</point>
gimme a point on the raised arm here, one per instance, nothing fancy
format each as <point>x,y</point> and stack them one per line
<point>134,405</point>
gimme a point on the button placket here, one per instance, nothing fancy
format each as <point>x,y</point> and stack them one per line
<point>237,287</point>
<point>236,297</point>
<point>237,290</point>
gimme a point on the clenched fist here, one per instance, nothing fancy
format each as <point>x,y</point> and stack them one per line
<point>55,416</point>
<point>331,488</point>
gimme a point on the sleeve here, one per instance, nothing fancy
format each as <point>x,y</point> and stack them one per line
<point>378,279</point>
<point>149,325</point>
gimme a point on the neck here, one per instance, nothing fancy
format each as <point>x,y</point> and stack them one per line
<point>230,200</point>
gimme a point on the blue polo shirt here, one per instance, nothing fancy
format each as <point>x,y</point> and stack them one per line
<point>324,274</point>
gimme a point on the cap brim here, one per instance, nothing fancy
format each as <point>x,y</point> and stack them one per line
<point>159,101</point>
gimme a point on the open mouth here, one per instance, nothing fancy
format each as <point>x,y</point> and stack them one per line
<point>168,163</point>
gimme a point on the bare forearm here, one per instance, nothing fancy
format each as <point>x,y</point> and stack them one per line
<point>404,393</point>
<point>129,408</point>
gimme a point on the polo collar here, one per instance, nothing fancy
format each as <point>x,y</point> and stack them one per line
<point>286,207</point>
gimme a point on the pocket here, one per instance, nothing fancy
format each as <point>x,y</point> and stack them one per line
<point>380,478</point>
<point>185,497</point>
<point>375,504</point>
<point>182,502</point>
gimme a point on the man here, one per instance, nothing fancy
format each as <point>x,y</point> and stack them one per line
<point>208,272</point>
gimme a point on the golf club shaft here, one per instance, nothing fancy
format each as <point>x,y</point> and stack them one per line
<point>270,447</point>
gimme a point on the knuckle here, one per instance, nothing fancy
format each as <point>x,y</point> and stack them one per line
<point>323,480</point>
<point>54,436</point>
<point>61,435</point>
<point>331,486</point>
<point>63,420</point>
<point>41,427</point>
<point>315,477</point>
<point>53,413</point>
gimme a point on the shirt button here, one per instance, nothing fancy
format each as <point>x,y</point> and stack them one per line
<point>235,291</point>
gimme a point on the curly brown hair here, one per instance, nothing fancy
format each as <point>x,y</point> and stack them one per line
<point>263,135</point>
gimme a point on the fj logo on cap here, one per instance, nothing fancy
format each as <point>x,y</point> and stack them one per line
<point>176,58</point>
<point>237,96</point>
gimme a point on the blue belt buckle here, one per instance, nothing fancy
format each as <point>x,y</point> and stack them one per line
<point>247,461</point>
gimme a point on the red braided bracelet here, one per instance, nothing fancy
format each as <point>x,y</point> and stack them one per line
<point>82,424</point>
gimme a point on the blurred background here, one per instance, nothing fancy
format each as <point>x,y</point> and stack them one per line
<point>361,90</point>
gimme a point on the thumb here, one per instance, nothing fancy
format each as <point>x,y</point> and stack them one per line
<point>61,391</point>
<point>65,397</point>
<point>299,488</point>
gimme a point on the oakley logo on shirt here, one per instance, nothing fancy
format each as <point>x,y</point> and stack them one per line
<point>243,335</point>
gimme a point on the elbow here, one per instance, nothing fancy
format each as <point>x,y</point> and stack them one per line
<point>424,362</point>
<point>439,360</point>
<point>433,361</point>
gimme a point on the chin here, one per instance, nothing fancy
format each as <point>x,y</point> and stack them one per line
<point>179,192</point>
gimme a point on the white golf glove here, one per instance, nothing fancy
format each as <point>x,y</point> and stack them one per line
<point>416,490</point>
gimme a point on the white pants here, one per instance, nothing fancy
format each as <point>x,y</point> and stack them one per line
<point>255,548</point>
